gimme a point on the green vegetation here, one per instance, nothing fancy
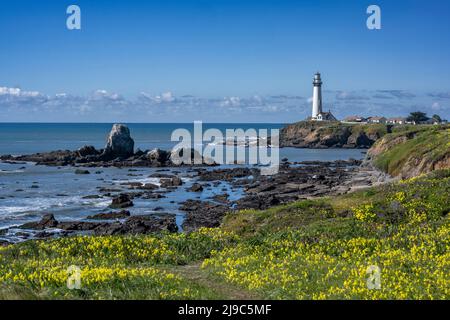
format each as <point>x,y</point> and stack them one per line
<point>402,228</point>
<point>436,117</point>
<point>317,249</point>
<point>412,150</point>
<point>312,249</point>
<point>417,117</point>
<point>112,267</point>
<point>330,127</point>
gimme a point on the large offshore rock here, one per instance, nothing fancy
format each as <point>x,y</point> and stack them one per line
<point>119,143</point>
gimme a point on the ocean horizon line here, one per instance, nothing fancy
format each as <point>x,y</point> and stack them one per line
<point>127,122</point>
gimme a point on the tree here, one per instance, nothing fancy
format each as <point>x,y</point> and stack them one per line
<point>437,118</point>
<point>417,117</point>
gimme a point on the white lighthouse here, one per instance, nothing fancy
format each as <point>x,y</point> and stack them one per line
<point>317,112</point>
<point>317,96</point>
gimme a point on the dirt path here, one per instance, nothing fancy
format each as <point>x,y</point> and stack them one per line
<point>194,273</point>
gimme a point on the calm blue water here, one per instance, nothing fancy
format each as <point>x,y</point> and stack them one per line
<point>27,191</point>
<point>24,138</point>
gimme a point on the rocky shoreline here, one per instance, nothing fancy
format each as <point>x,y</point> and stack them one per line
<point>294,181</point>
<point>118,152</point>
<point>119,149</point>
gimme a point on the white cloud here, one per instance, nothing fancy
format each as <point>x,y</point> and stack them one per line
<point>345,95</point>
<point>103,94</point>
<point>231,102</point>
<point>436,106</point>
<point>165,97</point>
<point>400,94</point>
<point>17,92</point>
<point>102,106</point>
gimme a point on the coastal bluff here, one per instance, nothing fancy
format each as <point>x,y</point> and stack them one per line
<point>412,151</point>
<point>331,134</point>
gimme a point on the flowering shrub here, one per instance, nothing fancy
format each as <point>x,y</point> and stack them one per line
<point>125,263</point>
<point>365,212</point>
<point>312,249</point>
<point>415,264</point>
<point>328,259</point>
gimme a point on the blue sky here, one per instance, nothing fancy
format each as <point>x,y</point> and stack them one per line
<point>220,60</point>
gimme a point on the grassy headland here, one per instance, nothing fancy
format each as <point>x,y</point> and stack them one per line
<point>413,150</point>
<point>316,134</point>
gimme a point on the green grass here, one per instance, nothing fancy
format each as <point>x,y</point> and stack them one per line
<point>336,126</point>
<point>426,145</point>
<point>310,249</point>
<point>337,212</point>
<point>321,249</point>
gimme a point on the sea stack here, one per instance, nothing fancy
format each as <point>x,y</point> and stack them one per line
<point>119,143</point>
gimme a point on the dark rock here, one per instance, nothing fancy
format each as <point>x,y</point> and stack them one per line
<point>139,225</point>
<point>123,200</point>
<point>47,221</point>
<point>196,187</point>
<point>222,198</point>
<point>158,157</point>
<point>87,151</point>
<point>22,234</point>
<point>119,143</point>
<point>132,185</point>
<point>43,234</point>
<point>149,186</point>
<point>102,189</point>
<point>153,196</point>
<point>77,225</point>
<point>359,139</point>
<point>226,174</point>
<point>80,171</point>
<point>171,182</point>
<point>161,175</point>
<point>260,202</point>
<point>139,153</point>
<point>94,196</point>
<point>139,163</point>
<point>110,215</point>
<point>202,214</point>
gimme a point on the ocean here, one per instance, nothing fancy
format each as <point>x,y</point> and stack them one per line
<point>27,191</point>
<point>25,138</point>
